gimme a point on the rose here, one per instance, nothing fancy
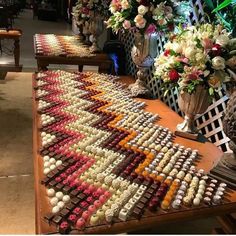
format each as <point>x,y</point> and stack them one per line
<point>126,24</point>
<point>142,10</point>
<point>162,21</point>
<point>167,52</point>
<point>174,75</point>
<point>151,29</point>
<point>218,63</point>
<point>85,11</point>
<point>125,4</point>
<point>222,40</point>
<point>140,22</point>
<point>216,50</point>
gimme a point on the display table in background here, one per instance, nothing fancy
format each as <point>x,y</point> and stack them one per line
<point>58,49</point>
<point>208,155</point>
<point>15,36</point>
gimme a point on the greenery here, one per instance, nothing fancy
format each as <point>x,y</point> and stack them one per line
<point>224,12</point>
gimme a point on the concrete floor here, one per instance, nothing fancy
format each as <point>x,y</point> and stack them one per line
<point>16,164</point>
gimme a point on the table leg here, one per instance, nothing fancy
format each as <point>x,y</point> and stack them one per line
<point>17,52</point>
<point>42,66</point>
<point>80,68</point>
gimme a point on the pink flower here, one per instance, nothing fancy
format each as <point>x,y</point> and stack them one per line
<point>126,24</point>
<point>207,44</point>
<point>183,59</point>
<point>151,29</point>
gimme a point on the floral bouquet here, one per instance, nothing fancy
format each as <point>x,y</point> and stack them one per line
<point>143,16</point>
<point>82,12</point>
<point>197,55</point>
<point>86,9</point>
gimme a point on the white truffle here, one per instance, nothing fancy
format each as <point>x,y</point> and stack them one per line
<point>66,198</point>
<point>59,195</point>
<point>51,192</point>
<point>61,204</point>
<point>55,209</point>
<point>54,201</point>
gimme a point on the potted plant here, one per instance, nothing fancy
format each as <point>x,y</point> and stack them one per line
<point>194,61</point>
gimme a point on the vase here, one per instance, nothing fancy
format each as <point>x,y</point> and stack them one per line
<point>86,33</point>
<point>96,28</point>
<point>192,105</point>
<point>81,35</point>
<point>143,53</point>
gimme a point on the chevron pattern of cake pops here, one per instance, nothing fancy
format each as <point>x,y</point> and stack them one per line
<point>106,159</point>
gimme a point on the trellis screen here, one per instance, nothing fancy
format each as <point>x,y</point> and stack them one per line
<point>209,123</point>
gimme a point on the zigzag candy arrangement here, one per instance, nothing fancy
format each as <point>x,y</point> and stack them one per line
<point>58,45</point>
<point>106,160</point>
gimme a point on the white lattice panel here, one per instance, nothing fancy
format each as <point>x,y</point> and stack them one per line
<point>209,123</point>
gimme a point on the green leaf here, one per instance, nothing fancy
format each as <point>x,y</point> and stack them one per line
<point>224,4</point>
<point>210,4</point>
<point>211,91</point>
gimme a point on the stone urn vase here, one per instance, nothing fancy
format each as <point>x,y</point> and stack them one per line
<point>192,105</point>
<point>143,53</point>
<point>96,28</point>
<point>86,33</point>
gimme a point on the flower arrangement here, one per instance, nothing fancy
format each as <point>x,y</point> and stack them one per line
<point>195,56</point>
<point>86,9</point>
<point>143,16</point>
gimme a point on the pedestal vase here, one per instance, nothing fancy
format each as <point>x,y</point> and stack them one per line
<point>143,53</point>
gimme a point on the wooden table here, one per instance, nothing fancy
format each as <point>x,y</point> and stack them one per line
<point>100,59</point>
<point>209,155</point>
<point>15,36</point>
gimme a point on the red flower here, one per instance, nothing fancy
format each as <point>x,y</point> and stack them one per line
<point>216,50</point>
<point>144,2</point>
<point>167,52</point>
<point>170,26</point>
<point>174,75</point>
<point>193,76</point>
<point>85,10</point>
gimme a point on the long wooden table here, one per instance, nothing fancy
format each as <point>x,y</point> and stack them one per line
<point>15,36</point>
<point>100,59</point>
<point>168,118</point>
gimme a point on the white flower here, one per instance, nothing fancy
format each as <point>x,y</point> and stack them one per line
<point>222,40</point>
<point>189,52</point>
<point>113,9</point>
<point>177,47</point>
<point>200,56</point>
<point>142,10</point>
<point>125,4</point>
<point>169,16</point>
<point>218,63</point>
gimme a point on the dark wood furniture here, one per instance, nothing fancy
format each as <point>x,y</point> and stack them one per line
<point>101,60</point>
<point>209,155</point>
<point>15,36</point>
